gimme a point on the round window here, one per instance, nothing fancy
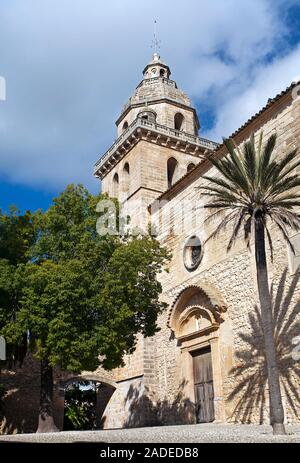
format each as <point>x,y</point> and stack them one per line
<point>192,253</point>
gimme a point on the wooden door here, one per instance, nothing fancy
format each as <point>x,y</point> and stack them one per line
<point>204,389</point>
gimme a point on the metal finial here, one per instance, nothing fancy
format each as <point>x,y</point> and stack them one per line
<point>155,42</point>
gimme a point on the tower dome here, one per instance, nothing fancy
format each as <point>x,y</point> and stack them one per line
<point>156,68</point>
<point>161,95</point>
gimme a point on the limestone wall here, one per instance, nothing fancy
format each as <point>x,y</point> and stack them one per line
<point>232,277</point>
<point>148,169</point>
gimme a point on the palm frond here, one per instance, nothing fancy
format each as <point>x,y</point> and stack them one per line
<point>265,156</point>
<point>284,185</point>
<point>222,225</point>
<point>252,183</point>
<point>283,163</point>
<point>282,228</point>
<point>249,160</point>
<point>236,228</point>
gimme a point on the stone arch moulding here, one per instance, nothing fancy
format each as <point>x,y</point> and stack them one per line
<point>87,377</point>
<point>214,298</point>
<point>200,312</point>
<point>195,318</point>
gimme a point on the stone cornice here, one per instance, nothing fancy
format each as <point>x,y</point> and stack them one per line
<point>141,129</point>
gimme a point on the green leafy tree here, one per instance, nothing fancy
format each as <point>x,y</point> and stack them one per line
<point>75,416</point>
<point>255,187</point>
<point>84,297</point>
<point>9,305</point>
<point>80,406</point>
<point>17,234</point>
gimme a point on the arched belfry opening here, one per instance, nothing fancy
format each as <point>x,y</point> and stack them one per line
<point>115,186</point>
<point>179,122</point>
<point>172,171</point>
<point>126,178</point>
<point>190,167</point>
<point>147,114</point>
<point>195,319</point>
<point>125,126</point>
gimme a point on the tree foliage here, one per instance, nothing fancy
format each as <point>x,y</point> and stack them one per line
<point>254,184</point>
<point>80,295</point>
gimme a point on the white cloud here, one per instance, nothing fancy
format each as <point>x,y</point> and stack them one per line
<point>269,80</point>
<point>70,65</point>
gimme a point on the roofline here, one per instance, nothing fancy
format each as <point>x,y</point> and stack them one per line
<point>221,148</point>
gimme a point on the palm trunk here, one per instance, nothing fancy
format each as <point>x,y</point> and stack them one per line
<point>46,421</point>
<point>276,408</point>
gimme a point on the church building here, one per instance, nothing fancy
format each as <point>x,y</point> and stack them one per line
<point>206,364</point>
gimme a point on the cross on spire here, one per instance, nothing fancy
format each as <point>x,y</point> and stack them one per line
<point>155,42</point>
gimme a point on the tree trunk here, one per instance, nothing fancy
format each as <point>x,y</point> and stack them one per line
<point>46,421</point>
<point>276,408</point>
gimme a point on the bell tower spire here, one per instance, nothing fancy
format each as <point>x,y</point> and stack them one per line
<point>155,42</point>
<point>157,141</point>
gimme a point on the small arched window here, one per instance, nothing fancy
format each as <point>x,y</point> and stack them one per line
<point>125,125</point>
<point>126,179</point>
<point>172,170</point>
<point>127,168</point>
<point>115,185</point>
<point>190,167</point>
<point>178,121</point>
<point>162,73</point>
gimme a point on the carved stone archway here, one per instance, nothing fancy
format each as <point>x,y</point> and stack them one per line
<point>195,318</point>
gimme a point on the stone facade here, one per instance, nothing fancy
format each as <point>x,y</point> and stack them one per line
<point>211,307</point>
<point>220,293</point>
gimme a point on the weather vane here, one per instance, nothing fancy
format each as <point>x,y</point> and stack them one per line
<point>155,42</point>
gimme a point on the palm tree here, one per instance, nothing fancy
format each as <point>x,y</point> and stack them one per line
<point>255,188</point>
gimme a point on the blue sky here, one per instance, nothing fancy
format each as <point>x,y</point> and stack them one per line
<point>70,65</point>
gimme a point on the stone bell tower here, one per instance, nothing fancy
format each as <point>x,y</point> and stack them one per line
<point>157,142</point>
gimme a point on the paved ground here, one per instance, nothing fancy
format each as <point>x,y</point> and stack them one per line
<point>172,434</point>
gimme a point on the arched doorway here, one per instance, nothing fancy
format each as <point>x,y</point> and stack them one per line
<point>195,319</point>
<point>80,408</point>
<point>89,396</point>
